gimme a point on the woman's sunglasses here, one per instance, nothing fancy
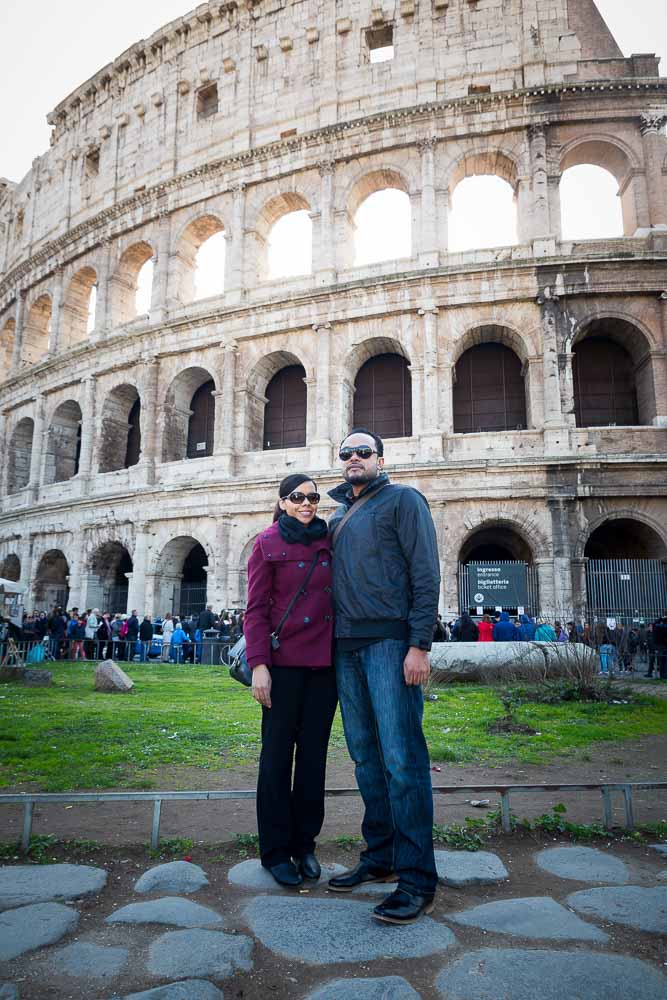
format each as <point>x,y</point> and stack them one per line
<point>300,497</point>
<point>363,451</point>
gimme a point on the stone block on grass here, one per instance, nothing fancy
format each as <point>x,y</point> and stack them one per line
<point>111,679</point>
<point>36,678</point>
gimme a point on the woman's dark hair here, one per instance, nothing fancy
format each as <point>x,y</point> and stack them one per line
<point>288,485</point>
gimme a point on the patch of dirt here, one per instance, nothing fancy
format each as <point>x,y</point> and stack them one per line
<point>508,725</point>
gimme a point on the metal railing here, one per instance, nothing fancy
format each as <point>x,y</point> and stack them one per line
<point>29,800</point>
<point>42,652</point>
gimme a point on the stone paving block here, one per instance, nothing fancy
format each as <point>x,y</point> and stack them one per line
<point>459,868</point>
<point>9,991</point>
<point>199,953</point>
<point>86,960</point>
<point>660,848</point>
<point>188,989</point>
<point>386,988</point>
<point>584,864</point>
<point>531,917</point>
<point>23,884</point>
<point>522,974</point>
<point>169,910</point>
<point>175,876</point>
<point>34,926</point>
<point>631,905</point>
<point>251,875</point>
<point>323,931</point>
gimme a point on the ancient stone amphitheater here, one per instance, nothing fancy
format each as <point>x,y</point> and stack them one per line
<point>523,389</point>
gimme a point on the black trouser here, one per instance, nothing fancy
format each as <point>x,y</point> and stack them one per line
<point>290,812</point>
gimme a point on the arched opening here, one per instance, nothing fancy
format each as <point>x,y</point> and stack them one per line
<point>489,392</point>
<point>189,416</point>
<point>7,341</point>
<point>37,330</point>
<point>612,374</point>
<point>20,454</point>
<point>202,260</point>
<point>63,448</point>
<point>285,409</point>
<point>133,282</point>
<point>590,205</point>
<point>10,568</point>
<point>107,578</point>
<point>79,307</point>
<point>626,574</point>
<point>483,214</point>
<point>181,578</point>
<point>496,570</point>
<point>51,587</point>
<point>383,226</point>
<point>290,245</point>
<point>383,396</point>
<point>120,445</point>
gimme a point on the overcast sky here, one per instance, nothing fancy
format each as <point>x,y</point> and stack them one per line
<point>48,48</point>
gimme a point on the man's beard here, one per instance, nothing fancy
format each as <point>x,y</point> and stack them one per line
<point>360,476</point>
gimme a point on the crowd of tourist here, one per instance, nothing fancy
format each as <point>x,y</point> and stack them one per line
<point>622,649</point>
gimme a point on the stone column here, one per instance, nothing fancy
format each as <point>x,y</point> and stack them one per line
<point>324,243</point>
<point>78,576</point>
<point>158,310</point>
<point>36,456</point>
<point>446,371</point>
<point>136,592</point>
<point>321,447</point>
<point>225,423</point>
<point>26,562</point>
<point>567,387</point>
<point>234,252</point>
<point>579,597</point>
<point>549,606</point>
<point>655,150</point>
<point>103,317</point>
<point>659,370</point>
<point>448,601</point>
<point>561,510</point>
<point>217,592</point>
<point>89,387</point>
<point>427,251</point>
<point>19,329</point>
<point>552,402</point>
<point>57,304</point>
<point>533,369</point>
<point>149,419</point>
<point>4,450</point>
<point>430,433</point>
<point>541,224</point>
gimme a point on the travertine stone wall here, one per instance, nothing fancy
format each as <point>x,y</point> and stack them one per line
<point>144,166</point>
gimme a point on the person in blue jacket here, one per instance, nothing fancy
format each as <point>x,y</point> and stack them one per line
<point>526,629</point>
<point>504,630</point>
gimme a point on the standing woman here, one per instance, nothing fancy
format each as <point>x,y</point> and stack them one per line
<point>294,683</point>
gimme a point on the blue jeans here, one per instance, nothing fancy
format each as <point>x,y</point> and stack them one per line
<point>382,718</point>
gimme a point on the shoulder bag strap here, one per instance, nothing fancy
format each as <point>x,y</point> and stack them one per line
<point>302,587</point>
<point>353,509</point>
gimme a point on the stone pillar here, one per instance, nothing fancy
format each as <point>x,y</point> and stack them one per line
<point>552,401</point>
<point>225,423</point>
<point>659,370</point>
<point>149,419</point>
<point>431,433</point>
<point>416,370</point>
<point>561,510</point>
<point>541,224</point>
<point>19,329</point>
<point>36,456</point>
<point>89,387</point>
<point>103,318</point>
<point>324,243</point>
<point>533,374</point>
<point>549,607</point>
<point>136,591</point>
<point>78,576</point>
<point>4,450</point>
<point>57,309</point>
<point>448,600</point>
<point>567,387</point>
<point>579,596</point>
<point>235,250</point>
<point>26,562</point>
<point>655,150</point>
<point>217,593</point>
<point>158,310</point>
<point>321,446</point>
<point>427,251</point>
<point>446,372</point>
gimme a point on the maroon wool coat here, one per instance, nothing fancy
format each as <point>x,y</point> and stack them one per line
<point>275,570</point>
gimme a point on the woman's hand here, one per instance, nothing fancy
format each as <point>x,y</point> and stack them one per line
<point>261,685</point>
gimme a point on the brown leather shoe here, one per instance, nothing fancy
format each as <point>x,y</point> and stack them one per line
<point>403,907</point>
<point>361,875</point>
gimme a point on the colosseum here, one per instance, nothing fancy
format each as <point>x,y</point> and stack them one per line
<point>522,388</point>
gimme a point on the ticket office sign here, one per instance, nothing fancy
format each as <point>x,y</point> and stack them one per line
<point>498,585</point>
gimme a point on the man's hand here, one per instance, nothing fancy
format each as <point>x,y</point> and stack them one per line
<point>261,685</point>
<point>416,666</point>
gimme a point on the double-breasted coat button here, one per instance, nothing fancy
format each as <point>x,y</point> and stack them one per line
<point>306,621</point>
<point>301,565</point>
<point>325,562</point>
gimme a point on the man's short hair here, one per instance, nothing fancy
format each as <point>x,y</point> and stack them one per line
<point>379,444</point>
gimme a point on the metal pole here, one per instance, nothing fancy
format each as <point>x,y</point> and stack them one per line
<point>155,828</point>
<point>505,812</point>
<point>629,813</point>
<point>608,812</point>
<point>27,824</point>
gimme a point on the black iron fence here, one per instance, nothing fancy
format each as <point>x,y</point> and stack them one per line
<point>40,652</point>
<point>631,591</point>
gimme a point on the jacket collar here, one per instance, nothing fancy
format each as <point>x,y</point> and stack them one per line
<point>343,493</point>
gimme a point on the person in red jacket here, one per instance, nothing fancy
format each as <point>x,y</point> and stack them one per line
<point>294,681</point>
<point>485,629</point>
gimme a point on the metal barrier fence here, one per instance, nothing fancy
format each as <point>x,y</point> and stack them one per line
<point>28,801</point>
<point>41,652</point>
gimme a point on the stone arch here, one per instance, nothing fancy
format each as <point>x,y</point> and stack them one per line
<point>498,540</point>
<point>370,180</point>
<point>358,356</point>
<point>63,443</point>
<point>120,429</point>
<point>178,428</point>
<point>77,307</point>
<point>10,567</point>
<point>257,381</point>
<point>125,281</point>
<point>500,333</point>
<point>272,212</point>
<point>193,236</point>
<point>37,329</point>
<point>240,599</point>
<point>7,341</point>
<point>181,572</point>
<point>483,162</point>
<point>108,584</point>
<point>483,182</point>
<point>615,156</point>
<point>20,455</point>
<point>363,198</point>
<point>654,528</point>
<point>51,582</point>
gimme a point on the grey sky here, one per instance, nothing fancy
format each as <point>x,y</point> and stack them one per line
<point>48,48</point>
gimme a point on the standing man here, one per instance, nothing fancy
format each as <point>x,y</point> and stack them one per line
<point>386,581</point>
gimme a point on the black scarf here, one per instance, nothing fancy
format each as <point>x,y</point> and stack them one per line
<point>293,531</point>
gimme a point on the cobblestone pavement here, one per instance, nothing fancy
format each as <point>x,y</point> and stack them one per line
<point>535,924</point>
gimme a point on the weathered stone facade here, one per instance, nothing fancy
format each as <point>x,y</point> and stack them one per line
<point>229,118</point>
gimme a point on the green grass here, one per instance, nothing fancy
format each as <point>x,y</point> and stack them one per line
<point>70,737</point>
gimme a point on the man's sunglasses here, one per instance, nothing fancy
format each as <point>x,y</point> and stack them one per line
<point>363,451</point>
<point>300,497</point>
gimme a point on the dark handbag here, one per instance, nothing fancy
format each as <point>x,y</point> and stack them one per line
<point>240,670</point>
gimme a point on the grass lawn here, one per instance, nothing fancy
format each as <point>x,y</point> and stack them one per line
<point>71,737</point>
